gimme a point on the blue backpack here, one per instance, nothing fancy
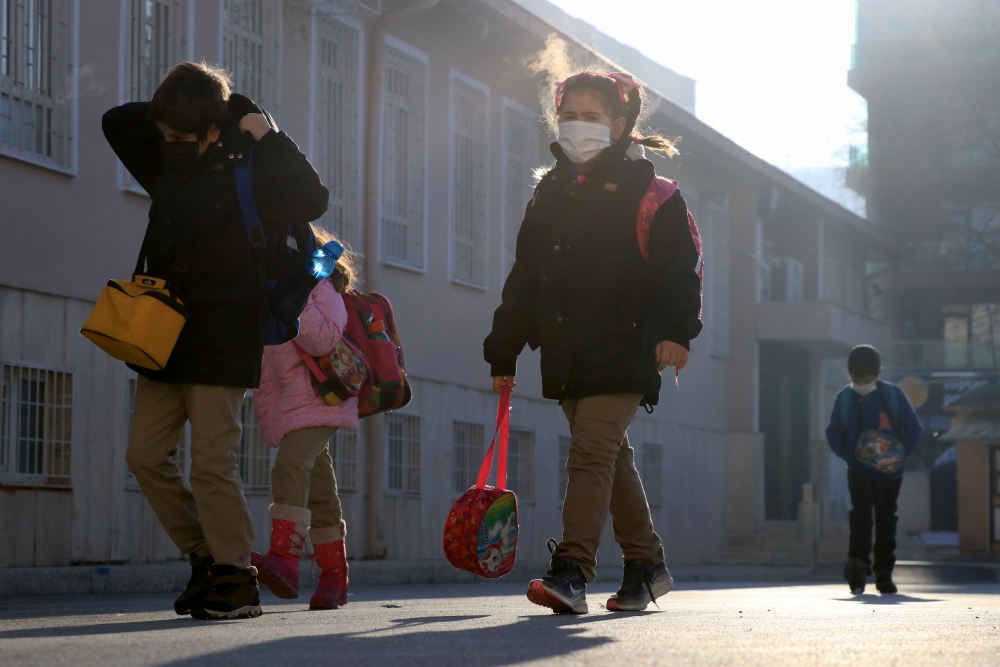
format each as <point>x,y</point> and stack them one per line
<point>281,274</point>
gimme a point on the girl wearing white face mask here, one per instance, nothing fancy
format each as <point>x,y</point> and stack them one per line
<point>606,280</point>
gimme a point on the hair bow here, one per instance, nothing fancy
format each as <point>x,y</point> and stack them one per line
<point>626,84</point>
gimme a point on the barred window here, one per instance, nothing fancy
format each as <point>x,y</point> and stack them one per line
<point>469,206</point>
<point>156,39</point>
<point>338,125</point>
<point>564,443</point>
<point>403,163</point>
<point>717,279</point>
<point>180,456</point>
<point>250,48</point>
<point>253,455</point>
<point>403,448</point>
<point>36,425</point>
<point>344,451</point>
<point>521,465</point>
<point>37,78</point>
<point>520,127</point>
<point>652,474</point>
<point>467,454</point>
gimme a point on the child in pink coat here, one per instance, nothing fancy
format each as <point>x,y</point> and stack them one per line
<point>295,418</point>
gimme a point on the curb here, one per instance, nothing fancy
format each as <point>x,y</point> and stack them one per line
<point>171,577</point>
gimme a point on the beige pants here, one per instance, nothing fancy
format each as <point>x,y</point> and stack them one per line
<point>303,475</point>
<point>602,478</point>
<point>211,518</point>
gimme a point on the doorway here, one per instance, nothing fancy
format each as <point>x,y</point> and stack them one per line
<point>784,421</point>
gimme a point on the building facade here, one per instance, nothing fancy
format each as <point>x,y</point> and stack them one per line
<point>929,73</point>
<point>426,126</point>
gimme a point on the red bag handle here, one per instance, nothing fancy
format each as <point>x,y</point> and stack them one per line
<point>501,434</point>
<point>311,363</point>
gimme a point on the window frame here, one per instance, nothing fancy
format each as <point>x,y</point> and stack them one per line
<point>125,181</point>
<point>458,75</point>
<point>647,466</point>
<point>37,480</point>
<point>405,463</point>
<point>335,444</point>
<point>506,253</point>
<point>73,126</point>
<point>358,26</point>
<point>473,471</point>
<point>524,496</point>
<point>416,54</point>
<point>273,106</point>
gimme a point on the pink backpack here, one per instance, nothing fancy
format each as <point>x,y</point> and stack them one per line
<point>660,190</point>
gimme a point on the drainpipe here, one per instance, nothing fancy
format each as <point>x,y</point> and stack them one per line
<point>373,162</point>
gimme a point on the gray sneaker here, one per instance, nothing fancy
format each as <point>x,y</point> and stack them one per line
<point>642,583</point>
<point>563,589</point>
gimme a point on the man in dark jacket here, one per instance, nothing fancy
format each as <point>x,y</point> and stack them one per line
<point>871,422</point>
<point>182,147</point>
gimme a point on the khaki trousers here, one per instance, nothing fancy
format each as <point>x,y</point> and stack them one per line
<point>211,517</point>
<point>602,478</point>
<point>303,475</point>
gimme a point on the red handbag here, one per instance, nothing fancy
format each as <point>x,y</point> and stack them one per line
<point>480,534</point>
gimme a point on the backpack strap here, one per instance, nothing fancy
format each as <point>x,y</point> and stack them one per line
<point>659,191</point>
<point>248,202</point>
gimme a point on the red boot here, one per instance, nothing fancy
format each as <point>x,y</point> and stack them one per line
<point>279,569</point>
<point>331,554</point>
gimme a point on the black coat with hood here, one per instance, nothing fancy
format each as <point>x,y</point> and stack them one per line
<point>581,290</point>
<point>195,217</point>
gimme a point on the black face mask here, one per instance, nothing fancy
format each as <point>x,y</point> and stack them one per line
<point>179,155</point>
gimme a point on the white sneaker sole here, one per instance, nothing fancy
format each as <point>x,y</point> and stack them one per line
<point>250,611</point>
<point>543,596</point>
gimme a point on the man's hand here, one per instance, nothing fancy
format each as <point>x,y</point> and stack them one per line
<point>669,353</point>
<point>501,380</point>
<point>256,124</point>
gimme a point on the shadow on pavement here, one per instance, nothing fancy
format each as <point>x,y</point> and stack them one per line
<point>884,599</point>
<point>176,623</point>
<point>511,644</point>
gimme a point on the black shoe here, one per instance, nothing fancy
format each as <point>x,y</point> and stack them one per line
<point>199,585</point>
<point>883,582</point>
<point>235,595</point>
<point>856,573</point>
<point>642,583</point>
<point>563,589</point>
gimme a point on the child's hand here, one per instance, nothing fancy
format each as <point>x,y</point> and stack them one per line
<point>501,380</point>
<point>669,353</point>
<point>255,124</point>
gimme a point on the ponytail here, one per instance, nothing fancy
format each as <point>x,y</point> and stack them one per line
<point>655,142</point>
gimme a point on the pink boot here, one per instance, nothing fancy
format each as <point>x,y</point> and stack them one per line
<point>331,554</point>
<point>279,569</point>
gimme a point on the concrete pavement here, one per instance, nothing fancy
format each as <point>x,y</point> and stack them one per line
<point>487,624</point>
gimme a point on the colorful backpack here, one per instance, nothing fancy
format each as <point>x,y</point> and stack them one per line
<point>659,191</point>
<point>368,360</point>
<point>480,533</point>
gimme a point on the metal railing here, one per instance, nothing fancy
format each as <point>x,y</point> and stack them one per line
<point>937,354</point>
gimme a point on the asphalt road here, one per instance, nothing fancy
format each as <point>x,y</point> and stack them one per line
<point>491,624</point>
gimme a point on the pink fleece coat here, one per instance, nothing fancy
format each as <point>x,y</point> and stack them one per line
<point>287,399</point>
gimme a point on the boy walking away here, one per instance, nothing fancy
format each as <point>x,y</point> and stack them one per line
<point>182,147</point>
<point>874,428</point>
<point>610,314</point>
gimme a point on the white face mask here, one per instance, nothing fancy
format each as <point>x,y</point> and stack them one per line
<point>582,141</point>
<point>864,389</point>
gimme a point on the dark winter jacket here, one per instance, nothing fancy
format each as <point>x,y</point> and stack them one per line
<point>854,414</point>
<point>581,290</point>
<point>195,217</point>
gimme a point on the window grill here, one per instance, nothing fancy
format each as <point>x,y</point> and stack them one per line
<point>250,48</point>
<point>36,425</point>
<point>521,147</point>
<point>253,455</point>
<point>338,125</point>
<point>36,81</point>
<point>344,451</point>
<point>469,206</point>
<point>564,443</point>
<point>403,165</point>
<point>156,39</point>
<point>521,465</point>
<point>403,460</point>
<point>467,454</point>
<point>652,474</point>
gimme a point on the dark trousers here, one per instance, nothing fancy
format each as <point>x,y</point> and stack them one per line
<point>878,497</point>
